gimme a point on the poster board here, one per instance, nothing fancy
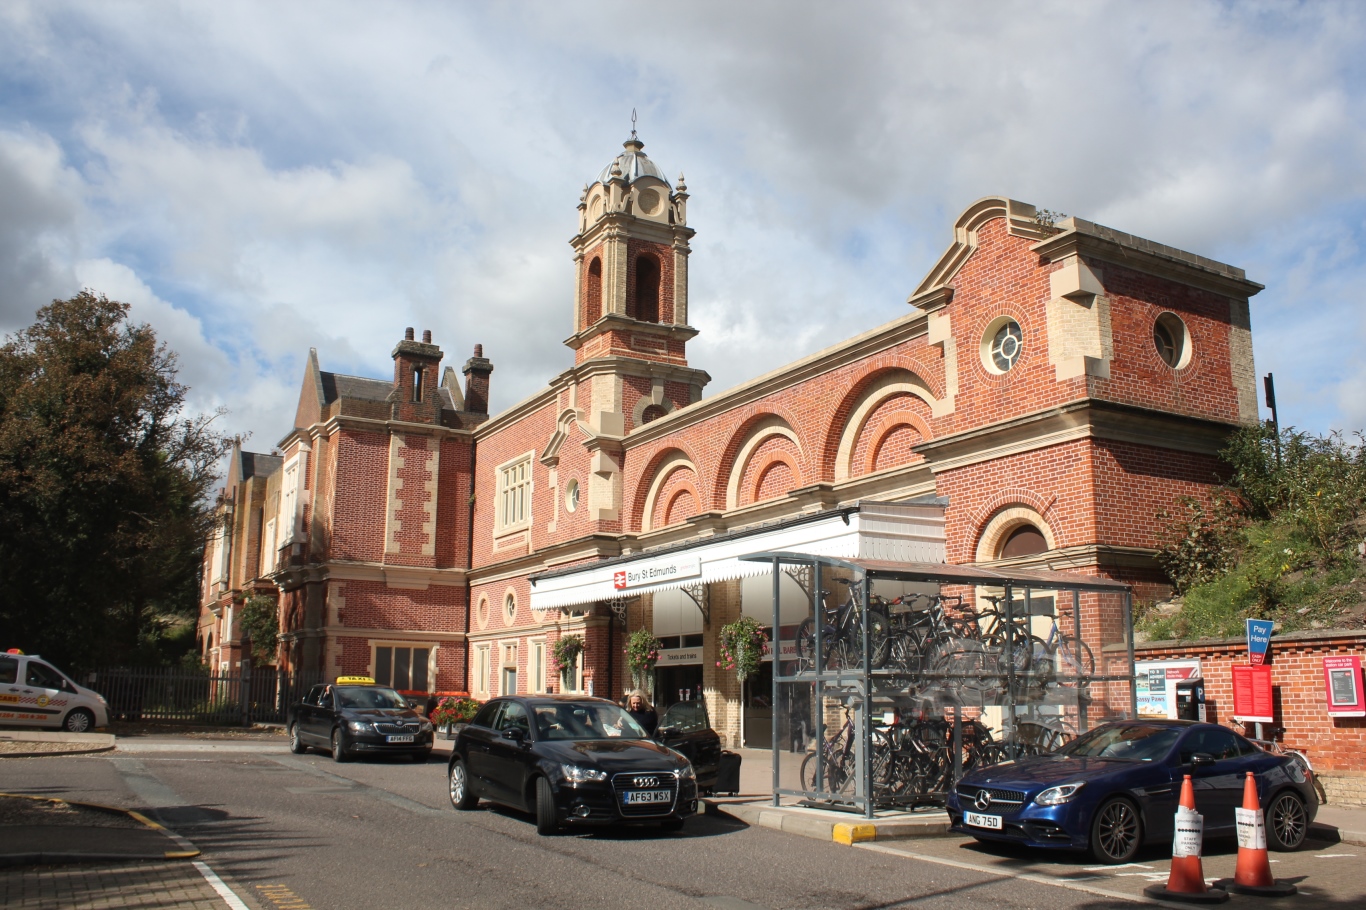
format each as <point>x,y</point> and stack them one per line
<point>1343,686</point>
<point>1155,684</point>
<point>1253,695</point>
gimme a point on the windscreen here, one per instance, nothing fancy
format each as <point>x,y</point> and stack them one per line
<point>364,697</point>
<point>590,721</point>
<point>1127,742</point>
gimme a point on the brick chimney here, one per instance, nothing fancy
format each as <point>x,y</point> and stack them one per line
<point>416,378</point>
<point>477,370</point>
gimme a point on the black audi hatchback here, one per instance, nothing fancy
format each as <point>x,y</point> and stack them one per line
<point>572,761</point>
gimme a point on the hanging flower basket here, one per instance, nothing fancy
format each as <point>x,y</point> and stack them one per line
<point>565,652</point>
<point>642,653</point>
<point>743,644</point>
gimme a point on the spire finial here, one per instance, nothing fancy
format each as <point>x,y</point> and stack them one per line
<point>633,123</point>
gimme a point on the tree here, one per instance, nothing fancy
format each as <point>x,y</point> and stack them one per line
<point>104,487</point>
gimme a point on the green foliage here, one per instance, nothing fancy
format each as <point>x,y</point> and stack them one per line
<point>104,487</point>
<point>742,645</point>
<point>1278,543</point>
<point>260,621</point>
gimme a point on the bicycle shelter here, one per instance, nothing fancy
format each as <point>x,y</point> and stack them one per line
<point>903,676</point>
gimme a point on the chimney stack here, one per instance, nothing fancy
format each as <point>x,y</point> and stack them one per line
<point>477,370</point>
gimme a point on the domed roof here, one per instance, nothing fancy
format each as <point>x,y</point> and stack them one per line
<point>634,163</point>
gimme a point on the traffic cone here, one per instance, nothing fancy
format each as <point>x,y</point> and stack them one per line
<point>1187,879</point>
<point>1253,873</point>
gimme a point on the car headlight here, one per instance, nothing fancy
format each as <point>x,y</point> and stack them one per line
<point>686,772</point>
<point>1056,796</point>
<point>426,726</point>
<point>358,726</point>
<point>579,774</point>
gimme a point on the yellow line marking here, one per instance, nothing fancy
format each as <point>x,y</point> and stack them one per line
<point>282,896</point>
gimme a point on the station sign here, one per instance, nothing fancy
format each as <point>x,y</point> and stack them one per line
<point>1342,681</point>
<point>656,571</point>
<point>677,657</point>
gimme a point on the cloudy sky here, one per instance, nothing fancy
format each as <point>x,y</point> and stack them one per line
<point>259,179</point>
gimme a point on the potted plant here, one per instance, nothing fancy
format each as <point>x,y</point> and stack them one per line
<point>451,713</point>
<point>642,653</point>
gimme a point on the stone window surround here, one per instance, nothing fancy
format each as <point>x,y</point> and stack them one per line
<point>508,483</point>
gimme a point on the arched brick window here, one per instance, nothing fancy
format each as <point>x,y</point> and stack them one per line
<point>1026,540</point>
<point>653,412</point>
<point>647,288</point>
<point>592,293</point>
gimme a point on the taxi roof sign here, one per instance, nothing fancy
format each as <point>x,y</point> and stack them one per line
<point>355,681</point>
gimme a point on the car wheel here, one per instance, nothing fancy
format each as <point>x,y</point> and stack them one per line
<point>672,824</point>
<point>339,753</point>
<point>461,796</point>
<point>79,721</point>
<point>546,822</point>
<point>1116,832</point>
<point>296,745</point>
<point>1286,822</point>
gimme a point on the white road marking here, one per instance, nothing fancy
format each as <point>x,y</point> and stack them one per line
<point>1116,866</point>
<point>218,885</point>
<point>1000,872</point>
<point>1331,855</point>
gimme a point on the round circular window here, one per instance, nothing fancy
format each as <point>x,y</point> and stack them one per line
<point>510,607</point>
<point>481,613</point>
<point>1172,340</point>
<point>1002,344</point>
<point>571,495</point>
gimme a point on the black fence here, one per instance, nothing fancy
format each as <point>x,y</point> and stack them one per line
<point>191,695</point>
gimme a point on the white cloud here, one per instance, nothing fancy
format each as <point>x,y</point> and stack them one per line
<point>322,175</point>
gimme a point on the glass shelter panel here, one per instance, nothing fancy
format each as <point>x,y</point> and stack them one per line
<point>900,678</point>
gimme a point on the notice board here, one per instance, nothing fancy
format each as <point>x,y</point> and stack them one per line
<point>1342,682</point>
<point>1252,697</point>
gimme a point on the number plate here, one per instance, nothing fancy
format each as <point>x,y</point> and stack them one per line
<point>983,821</point>
<point>401,738</point>
<point>636,797</point>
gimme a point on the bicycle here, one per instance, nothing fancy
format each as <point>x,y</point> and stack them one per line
<point>1074,654</point>
<point>1277,748</point>
<point>842,635</point>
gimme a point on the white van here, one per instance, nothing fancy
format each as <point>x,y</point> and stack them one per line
<point>33,693</point>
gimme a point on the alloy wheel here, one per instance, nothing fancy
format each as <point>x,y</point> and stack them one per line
<point>1288,818</point>
<point>1117,830</point>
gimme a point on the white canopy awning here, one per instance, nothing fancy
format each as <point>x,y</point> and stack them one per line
<point>902,531</point>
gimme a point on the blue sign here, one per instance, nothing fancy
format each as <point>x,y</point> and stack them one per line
<point>1258,640</point>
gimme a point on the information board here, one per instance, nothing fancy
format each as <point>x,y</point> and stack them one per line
<point>1252,694</point>
<point>1342,682</point>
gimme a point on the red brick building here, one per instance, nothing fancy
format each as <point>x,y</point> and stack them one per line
<point>1048,390</point>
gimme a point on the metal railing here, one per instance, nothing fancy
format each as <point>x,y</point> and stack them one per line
<point>192,695</point>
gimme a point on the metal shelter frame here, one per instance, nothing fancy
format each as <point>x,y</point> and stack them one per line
<point>864,682</point>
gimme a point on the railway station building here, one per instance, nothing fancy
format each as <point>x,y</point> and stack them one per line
<point>1047,391</point>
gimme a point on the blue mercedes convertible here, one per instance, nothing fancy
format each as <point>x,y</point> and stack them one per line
<point>1116,788</point>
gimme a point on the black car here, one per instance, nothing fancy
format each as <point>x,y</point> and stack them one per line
<point>1116,788</point>
<point>685,728</point>
<point>350,719</point>
<point>572,761</point>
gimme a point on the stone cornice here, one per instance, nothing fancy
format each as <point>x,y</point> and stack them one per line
<point>632,228</point>
<point>1083,556</point>
<point>378,634</point>
<point>1083,419</point>
<point>838,355</point>
<point>616,365</point>
<point>1100,242</point>
<point>344,421</point>
<point>410,577</point>
<point>618,322</point>
<point>580,549</point>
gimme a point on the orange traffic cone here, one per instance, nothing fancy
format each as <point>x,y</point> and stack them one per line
<point>1187,879</point>
<point>1253,874</point>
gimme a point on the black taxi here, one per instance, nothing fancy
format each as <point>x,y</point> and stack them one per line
<point>354,716</point>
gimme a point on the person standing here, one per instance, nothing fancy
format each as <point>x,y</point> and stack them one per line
<point>642,712</point>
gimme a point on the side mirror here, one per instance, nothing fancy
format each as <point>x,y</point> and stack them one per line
<point>1201,760</point>
<point>665,732</point>
<point>514,734</point>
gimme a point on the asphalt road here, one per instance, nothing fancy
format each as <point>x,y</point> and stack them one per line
<point>301,832</point>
